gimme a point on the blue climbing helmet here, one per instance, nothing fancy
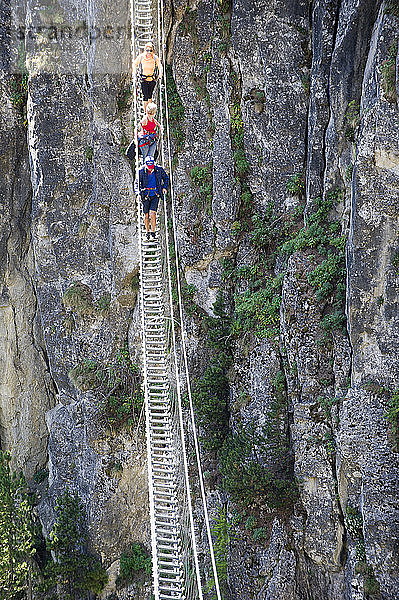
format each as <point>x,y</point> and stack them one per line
<point>149,161</point>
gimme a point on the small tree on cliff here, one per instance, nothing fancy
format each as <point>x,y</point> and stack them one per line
<point>74,572</point>
<point>16,533</point>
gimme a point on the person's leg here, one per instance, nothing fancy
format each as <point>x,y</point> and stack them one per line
<point>150,91</point>
<point>153,213</point>
<point>153,216</point>
<point>145,151</point>
<point>146,93</point>
<point>151,149</point>
<point>146,206</point>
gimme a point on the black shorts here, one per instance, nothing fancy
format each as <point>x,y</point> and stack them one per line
<point>147,87</point>
<point>150,204</point>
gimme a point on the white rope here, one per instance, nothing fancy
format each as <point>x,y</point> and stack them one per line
<point>155,574</point>
<point>193,425</point>
<point>193,588</point>
<point>180,417</point>
<point>175,353</point>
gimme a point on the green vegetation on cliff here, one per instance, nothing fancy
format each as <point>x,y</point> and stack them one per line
<point>211,391</point>
<point>66,573</point>
<point>16,533</point>
<point>135,564</point>
<point>116,382</point>
<point>246,475</point>
<point>251,483</point>
<point>18,90</point>
<point>257,309</point>
<point>176,112</point>
<point>201,177</point>
<point>73,572</point>
<point>392,415</point>
<point>221,534</point>
<point>388,73</point>
<point>354,526</point>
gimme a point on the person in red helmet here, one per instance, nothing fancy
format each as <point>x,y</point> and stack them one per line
<point>153,181</point>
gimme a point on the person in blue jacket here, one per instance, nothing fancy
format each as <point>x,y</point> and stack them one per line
<point>152,183</point>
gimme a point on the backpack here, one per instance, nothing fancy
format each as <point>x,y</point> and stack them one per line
<point>131,150</point>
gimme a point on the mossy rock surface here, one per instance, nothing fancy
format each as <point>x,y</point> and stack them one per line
<point>103,303</point>
<point>79,298</point>
<point>361,567</point>
<point>69,323</point>
<point>84,376</point>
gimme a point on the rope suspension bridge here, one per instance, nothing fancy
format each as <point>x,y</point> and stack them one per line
<point>175,554</point>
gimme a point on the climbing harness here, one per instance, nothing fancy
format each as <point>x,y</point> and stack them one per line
<point>152,77</point>
<point>147,139</point>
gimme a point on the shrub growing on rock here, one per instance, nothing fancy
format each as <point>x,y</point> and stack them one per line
<point>16,532</point>
<point>134,563</point>
<point>74,572</point>
<point>259,311</point>
<point>352,119</point>
<point>85,375</point>
<point>388,74</point>
<point>202,180</point>
<point>392,415</point>
<point>211,394</point>
<point>211,391</point>
<point>79,298</point>
<point>246,477</point>
<point>117,382</point>
<point>296,184</point>
<point>18,88</point>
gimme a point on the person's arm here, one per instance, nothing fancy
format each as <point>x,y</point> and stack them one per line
<point>160,69</point>
<point>165,180</point>
<point>142,124</point>
<point>141,189</point>
<point>144,121</point>
<point>158,124</point>
<point>136,63</point>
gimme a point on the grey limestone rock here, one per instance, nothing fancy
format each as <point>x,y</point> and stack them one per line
<point>286,74</point>
<point>372,312</point>
<point>27,389</point>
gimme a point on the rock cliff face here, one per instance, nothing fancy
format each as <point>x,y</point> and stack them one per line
<point>27,390</point>
<point>286,176</point>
